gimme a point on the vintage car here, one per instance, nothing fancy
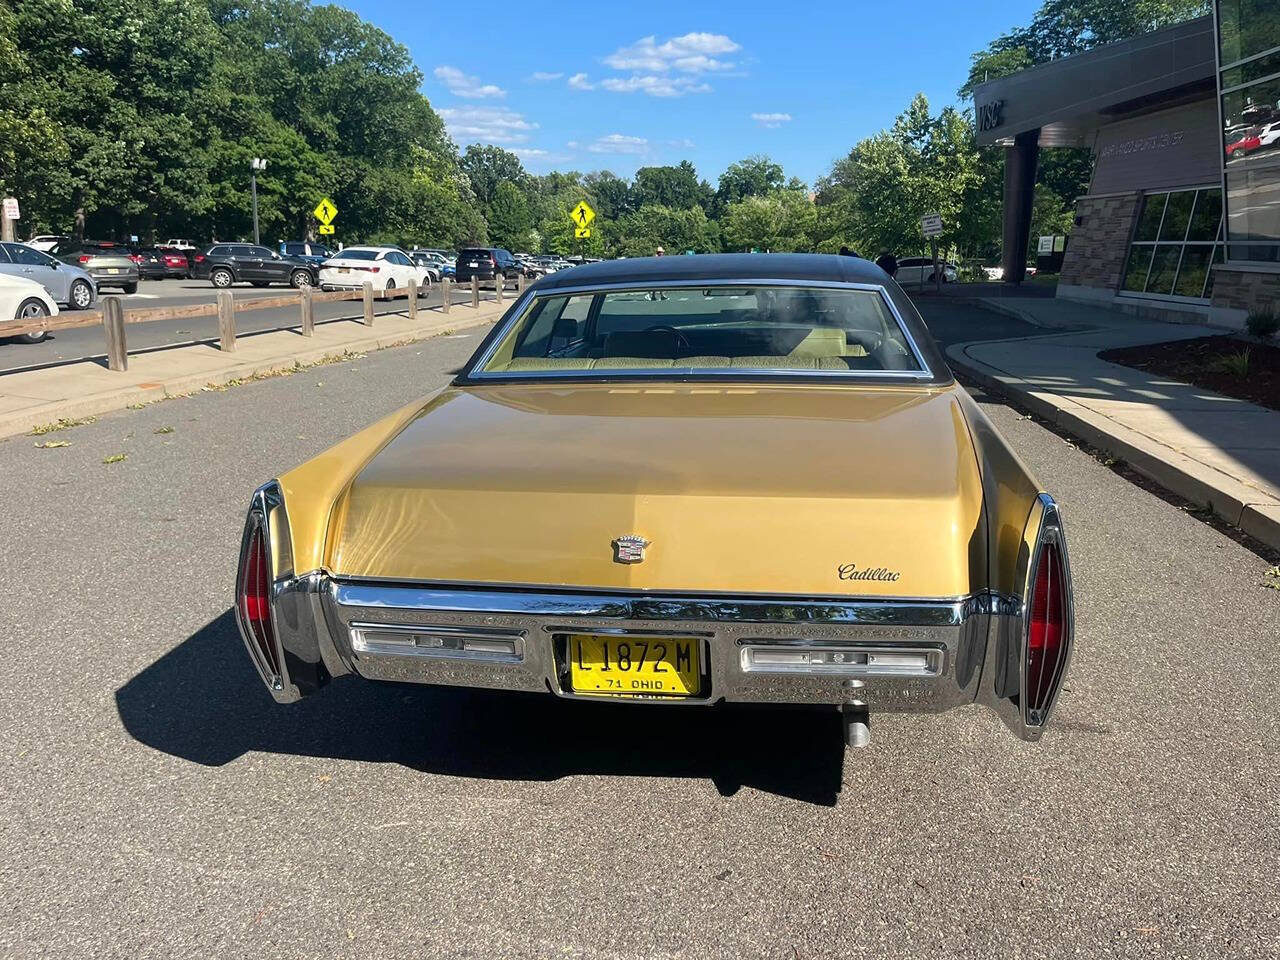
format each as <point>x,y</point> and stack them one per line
<point>677,481</point>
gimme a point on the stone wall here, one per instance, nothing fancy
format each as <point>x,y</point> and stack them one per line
<point>1248,289</point>
<point>1099,243</point>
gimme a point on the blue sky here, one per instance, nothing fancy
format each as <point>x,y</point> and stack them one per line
<point>591,86</point>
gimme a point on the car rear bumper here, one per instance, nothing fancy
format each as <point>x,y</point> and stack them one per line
<point>103,277</point>
<point>918,656</point>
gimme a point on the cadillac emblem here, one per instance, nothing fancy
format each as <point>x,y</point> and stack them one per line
<point>629,549</point>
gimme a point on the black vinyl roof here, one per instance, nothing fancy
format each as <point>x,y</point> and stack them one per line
<point>718,266</point>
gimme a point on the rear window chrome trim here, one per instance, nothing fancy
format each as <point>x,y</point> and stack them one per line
<point>475,372</point>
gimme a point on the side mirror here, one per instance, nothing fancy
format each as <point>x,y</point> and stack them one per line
<point>275,256</point>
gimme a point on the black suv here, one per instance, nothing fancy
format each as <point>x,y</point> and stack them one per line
<point>226,263</point>
<point>486,263</point>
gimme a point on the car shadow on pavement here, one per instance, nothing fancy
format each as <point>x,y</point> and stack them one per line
<point>202,701</point>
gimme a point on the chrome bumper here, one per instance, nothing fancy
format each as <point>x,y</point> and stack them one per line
<point>919,656</point>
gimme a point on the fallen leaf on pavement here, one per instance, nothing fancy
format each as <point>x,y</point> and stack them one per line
<point>49,444</point>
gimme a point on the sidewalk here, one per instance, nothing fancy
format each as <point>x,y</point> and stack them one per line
<point>87,388</point>
<point>1200,445</point>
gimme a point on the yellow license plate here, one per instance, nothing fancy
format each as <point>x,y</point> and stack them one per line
<point>634,666</point>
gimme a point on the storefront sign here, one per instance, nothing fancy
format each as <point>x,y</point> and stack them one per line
<point>991,115</point>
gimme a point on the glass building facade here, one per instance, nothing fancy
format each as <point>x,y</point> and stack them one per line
<point>1248,33</point>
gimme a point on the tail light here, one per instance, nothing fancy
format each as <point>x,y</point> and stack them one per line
<point>199,258</point>
<point>135,257</point>
<point>84,258</point>
<point>253,599</point>
<point>1049,620</point>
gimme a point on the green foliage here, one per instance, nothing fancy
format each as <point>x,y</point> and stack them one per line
<point>677,187</point>
<point>1262,325</point>
<point>873,199</point>
<point>509,221</point>
<point>487,166</point>
<point>656,225</point>
<point>782,221</point>
<point>756,176</point>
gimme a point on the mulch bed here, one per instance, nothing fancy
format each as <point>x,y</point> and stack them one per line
<point>1197,362</point>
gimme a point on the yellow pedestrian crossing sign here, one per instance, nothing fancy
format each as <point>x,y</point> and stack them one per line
<point>325,229</point>
<point>582,233</point>
<point>325,211</point>
<point>582,215</point>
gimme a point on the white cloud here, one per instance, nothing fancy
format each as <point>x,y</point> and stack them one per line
<point>540,76</point>
<point>691,53</point>
<point>536,156</point>
<point>487,125</point>
<point>464,85</point>
<point>655,86</point>
<point>672,68</point>
<point>771,120</point>
<point>684,143</point>
<point>579,81</point>
<point>619,143</point>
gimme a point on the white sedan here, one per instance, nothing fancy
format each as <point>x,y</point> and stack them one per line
<point>23,299</point>
<point>385,267</point>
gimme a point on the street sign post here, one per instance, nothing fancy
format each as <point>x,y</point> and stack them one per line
<point>11,213</point>
<point>931,227</point>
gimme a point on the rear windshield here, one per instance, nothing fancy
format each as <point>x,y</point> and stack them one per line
<point>359,254</point>
<point>713,330</point>
<point>476,255</point>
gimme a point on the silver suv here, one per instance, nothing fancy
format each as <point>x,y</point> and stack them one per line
<point>69,286</point>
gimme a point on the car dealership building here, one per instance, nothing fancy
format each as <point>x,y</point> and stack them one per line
<point>1179,121</point>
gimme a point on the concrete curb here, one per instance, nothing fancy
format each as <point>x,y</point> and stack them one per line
<point>1236,502</point>
<point>217,374</point>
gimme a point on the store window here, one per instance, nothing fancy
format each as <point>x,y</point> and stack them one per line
<point>1177,240</point>
<point>1247,28</point>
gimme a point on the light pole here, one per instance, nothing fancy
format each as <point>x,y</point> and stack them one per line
<point>256,164</point>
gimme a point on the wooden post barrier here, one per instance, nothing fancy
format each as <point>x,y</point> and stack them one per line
<point>226,321</point>
<point>368,304</point>
<point>499,284</point>
<point>113,326</point>
<point>519,283</point>
<point>475,291</point>
<point>308,312</point>
<point>413,299</point>
<point>446,297</point>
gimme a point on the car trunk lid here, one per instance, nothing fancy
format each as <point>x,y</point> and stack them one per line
<point>812,490</point>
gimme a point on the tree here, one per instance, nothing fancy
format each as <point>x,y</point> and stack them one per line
<point>677,187</point>
<point>1061,28</point>
<point>756,176</point>
<point>509,221</point>
<point>486,166</point>
<point>877,194</point>
<point>782,221</point>
<point>611,195</point>
<point>640,233</point>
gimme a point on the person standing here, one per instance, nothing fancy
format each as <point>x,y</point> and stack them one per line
<point>846,252</point>
<point>659,252</point>
<point>888,263</point>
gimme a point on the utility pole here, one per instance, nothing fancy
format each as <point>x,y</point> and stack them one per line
<point>255,165</point>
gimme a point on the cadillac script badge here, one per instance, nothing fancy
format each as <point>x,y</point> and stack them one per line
<point>629,549</point>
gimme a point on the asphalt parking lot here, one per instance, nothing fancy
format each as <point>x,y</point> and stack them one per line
<point>156,802</point>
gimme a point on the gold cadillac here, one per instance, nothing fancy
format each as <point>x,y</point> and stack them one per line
<point>677,481</point>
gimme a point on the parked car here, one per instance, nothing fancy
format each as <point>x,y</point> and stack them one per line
<point>108,263</point>
<point>429,262</point>
<point>385,267</point>
<point>68,285</point>
<point>486,264</point>
<point>1269,134</point>
<point>1247,143</point>
<point>919,270</point>
<point>316,253</point>
<point>45,242</point>
<point>634,491</point>
<point>224,264</point>
<point>179,244</point>
<point>23,299</point>
<point>150,263</point>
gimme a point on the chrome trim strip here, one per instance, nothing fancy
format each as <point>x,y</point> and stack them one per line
<point>476,373</point>
<point>638,606</point>
<point>934,656</point>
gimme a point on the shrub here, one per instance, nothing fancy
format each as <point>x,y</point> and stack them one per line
<point>1233,364</point>
<point>1263,325</point>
